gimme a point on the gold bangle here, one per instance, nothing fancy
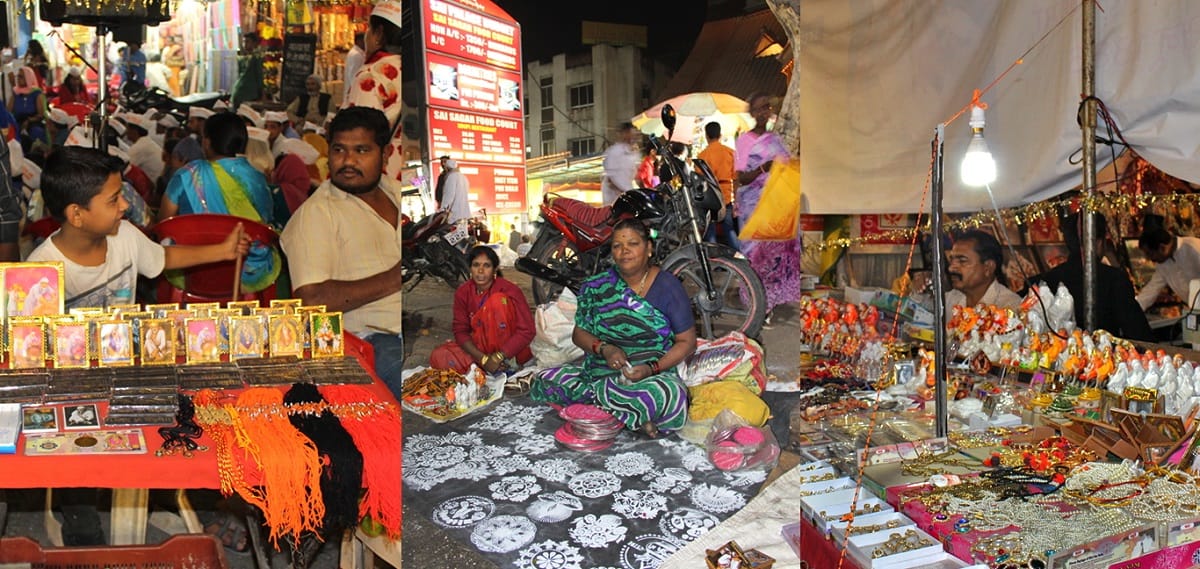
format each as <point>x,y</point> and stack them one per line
<point>484,360</point>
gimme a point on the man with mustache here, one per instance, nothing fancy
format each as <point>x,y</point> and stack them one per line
<point>343,243</point>
<point>975,272</point>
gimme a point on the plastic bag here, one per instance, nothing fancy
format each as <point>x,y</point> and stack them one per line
<point>733,444</point>
<point>555,322</point>
<point>777,215</point>
<point>733,357</point>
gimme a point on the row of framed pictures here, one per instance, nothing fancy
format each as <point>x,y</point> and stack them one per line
<point>125,339</point>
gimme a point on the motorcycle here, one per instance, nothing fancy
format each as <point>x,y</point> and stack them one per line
<point>435,247</point>
<point>573,243</point>
<point>139,99</point>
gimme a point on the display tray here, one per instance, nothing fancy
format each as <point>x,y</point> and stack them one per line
<point>868,550</point>
<point>282,370</point>
<point>332,371</point>
<point>881,522</point>
<point>214,376</point>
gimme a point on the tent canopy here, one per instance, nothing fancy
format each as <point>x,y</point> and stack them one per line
<point>878,76</point>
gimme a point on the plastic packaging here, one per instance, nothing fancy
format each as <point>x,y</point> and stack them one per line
<point>734,444</point>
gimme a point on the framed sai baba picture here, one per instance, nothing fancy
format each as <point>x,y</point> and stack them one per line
<point>245,337</point>
<point>33,289</point>
<point>287,339</point>
<point>116,343</point>
<point>72,344</point>
<point>203,341</point>
<point>26,343</point>
<point>158,341</point>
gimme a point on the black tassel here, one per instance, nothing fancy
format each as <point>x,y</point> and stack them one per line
<point>341,476</point>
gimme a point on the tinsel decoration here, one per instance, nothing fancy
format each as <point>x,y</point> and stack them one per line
<point>342,462</point>
<point>377,436</point>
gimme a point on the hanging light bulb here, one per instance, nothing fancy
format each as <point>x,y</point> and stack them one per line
<point>978,167</point>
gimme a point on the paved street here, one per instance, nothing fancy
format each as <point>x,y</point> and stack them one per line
<point>428,314</point>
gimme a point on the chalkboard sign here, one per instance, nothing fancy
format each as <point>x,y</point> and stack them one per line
<point>299,56</point>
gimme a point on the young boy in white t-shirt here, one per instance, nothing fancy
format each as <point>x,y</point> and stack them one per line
<point>102,253</point>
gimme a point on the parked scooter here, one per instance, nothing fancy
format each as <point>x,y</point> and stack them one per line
<point>435,247</point>
<point>574,242</point>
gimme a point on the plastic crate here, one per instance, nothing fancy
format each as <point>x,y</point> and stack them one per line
<point>177,552</point>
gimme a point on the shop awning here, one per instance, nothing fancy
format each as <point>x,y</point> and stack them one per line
<point>878,76</point>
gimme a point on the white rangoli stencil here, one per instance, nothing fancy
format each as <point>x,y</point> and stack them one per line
<point>515,488</point>
<point>687,524</point>
<point>556,469</point>
<point>502,534</point>
<point>671,480</point>
<point>462,511</point>
<point>717,499</point>
<point>648,551</point>
<point>629,464</point>
<point>554,507</point>
<point>640,504</point>
<point>550,554</point>
<point>594,484</point>
<point>597,531</point>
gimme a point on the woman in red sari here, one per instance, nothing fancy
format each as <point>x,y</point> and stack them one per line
<point>492,322</point>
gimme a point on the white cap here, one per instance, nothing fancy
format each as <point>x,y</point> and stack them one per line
<point>117,125</point>
<point>31,174</point>
<point>451,163</point>
<point>199,113</point>
<point>63,117</point>
<point>259,134</point>
<point>79,136</point>
<point>168,120</point>
<point>300,148</point>
<point>275,116</point>
<point>310,126</point>
<point>115,151</point>
<point>74,71</point>
<point>245,110</point>
<point>389,11</point>
<point>220,105</point>
<point>139,121</point>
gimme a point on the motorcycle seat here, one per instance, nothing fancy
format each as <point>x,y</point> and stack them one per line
<point>583,212</point>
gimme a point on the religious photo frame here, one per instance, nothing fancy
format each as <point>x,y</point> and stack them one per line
<point>223,316</point>
<point>33,289</point>
<point>157,341</point>
<point>72,344</point>
<point>81,417</point>
<point>120,309</point>
<point>179,317</point>
<point>115,343</point>
<point>286,336</point>
<point>245,337</point>
<point>288,304</point>
<point>305,313</point>
<point>203,341</point>
<point>160,310</point>
<point>26,342</point>
<point>40,419</point>
<point>135,319</point>
<point>247,307</point>
<point>264,315</point>
<point>326,332</point>
<point>203,309</point>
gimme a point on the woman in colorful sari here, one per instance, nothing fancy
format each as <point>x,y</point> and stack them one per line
<point>635,324</point>
<point>492,322</point>
<point>226,183</point>
<point>28,106</point>
<point>776,262</point>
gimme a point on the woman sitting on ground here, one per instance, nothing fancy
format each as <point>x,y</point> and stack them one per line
<point>492,322</point>
<point>635,323</point>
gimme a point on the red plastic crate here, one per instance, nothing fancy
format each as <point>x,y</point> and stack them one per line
<point>177,552</point>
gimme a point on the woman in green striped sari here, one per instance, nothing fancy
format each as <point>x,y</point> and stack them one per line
<point>635,324</point>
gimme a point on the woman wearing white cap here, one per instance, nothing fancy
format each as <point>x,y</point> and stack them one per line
<point>377,83</point>
<point>73,90</point>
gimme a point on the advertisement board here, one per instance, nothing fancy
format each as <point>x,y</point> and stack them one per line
<point>473,89</point>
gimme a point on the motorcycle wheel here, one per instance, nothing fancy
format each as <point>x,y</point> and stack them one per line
<point>552,250</point>
<point>741,302</point>
<point>450,264</point>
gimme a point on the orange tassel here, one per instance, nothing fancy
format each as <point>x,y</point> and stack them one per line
<point>377,436</point>
<point>289,462</point>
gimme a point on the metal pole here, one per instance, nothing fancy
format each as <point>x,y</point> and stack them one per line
<point>102,70</point>
<point>939,286</point>
<point>1088,245</point>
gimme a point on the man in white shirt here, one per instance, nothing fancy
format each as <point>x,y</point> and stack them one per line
<point>1178,262</point>
<point>343,243</point>
<point>456,193</point>
<point>354,60</point>
<point>143,151</point>
<point>620,165</point>
<point>976,263</point>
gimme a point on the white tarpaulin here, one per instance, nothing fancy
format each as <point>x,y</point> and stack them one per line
<point>877,76</point>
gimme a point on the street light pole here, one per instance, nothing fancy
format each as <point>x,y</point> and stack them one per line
<point>1088,128</point>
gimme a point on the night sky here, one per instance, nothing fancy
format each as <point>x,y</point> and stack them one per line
<point>549,28</point>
